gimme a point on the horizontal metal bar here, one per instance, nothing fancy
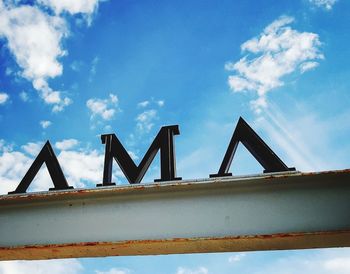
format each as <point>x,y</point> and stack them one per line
<point>271,211</point>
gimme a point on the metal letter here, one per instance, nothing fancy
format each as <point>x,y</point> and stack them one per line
<point>255,145</point>
<point>47,156</point>
<point>164,142</point>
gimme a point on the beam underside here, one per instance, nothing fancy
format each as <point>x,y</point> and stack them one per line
<point>259,213</point>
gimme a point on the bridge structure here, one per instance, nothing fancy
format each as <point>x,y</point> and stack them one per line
<point>270,211</point>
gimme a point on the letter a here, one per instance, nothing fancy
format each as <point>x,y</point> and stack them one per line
<point>255,145</point>
<point>47,156</point>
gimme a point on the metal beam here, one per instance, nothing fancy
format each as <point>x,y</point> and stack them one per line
<point>286,210</point>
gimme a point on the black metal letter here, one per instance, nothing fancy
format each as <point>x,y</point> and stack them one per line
<point>47,156</point>
<point>164,142</point>
<point>256,146</point>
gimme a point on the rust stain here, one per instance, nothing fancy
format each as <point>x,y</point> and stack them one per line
<point>179,245</point>
<point>179,240</point>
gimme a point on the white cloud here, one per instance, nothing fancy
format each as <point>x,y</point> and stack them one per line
<point>308,66</point>
<point>146,103</point>
<point>76,65</point>
<point>327,4</point>
<point>145,120</point>
<point>143,104</point>
<point>278,51</point>
<point>160,103</point>
<point>13,165</point>
<point>70,266</point>
<point>51,96</point>
<point>32,148</point>
<point>199,270</point>
<point>72,7</point>
<point>24,96</point>
<point>34,38</point>
<point>3,98</point>
<point>338,264</point>
<point>104,108</point>
<point>45,124</point>
<point>66,144</point>
<point>93,67</point>
<point>114,271</point>
<point>81,167</point>
<point>4,147</point>
<point>236,258</point>
<point>327,261</point>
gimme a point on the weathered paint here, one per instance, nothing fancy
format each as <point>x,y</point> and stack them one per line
<point>177,246</point>
<point>302,211</point>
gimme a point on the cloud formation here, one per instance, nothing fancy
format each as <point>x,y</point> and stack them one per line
<point>326,4</point>
<point>71,7</point>
<point>143,104</point>
<point>278,51</point>
<point>81,167</point>
<point>326,261</point>
<point>199,270</point>
<point>145,120</point>
<point>3,98</point>
<point>66,144</point>
<point>236,257</point>
<point>103,108</point>
<point>34,37</point>
<point>67,266</point>
<point>45,124</point>
<point>114,271</point>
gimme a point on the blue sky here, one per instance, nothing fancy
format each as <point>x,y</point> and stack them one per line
<point>72,70</point>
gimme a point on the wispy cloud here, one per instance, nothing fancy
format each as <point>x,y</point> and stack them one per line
<point>5,147</point>
<point>70,266</point>
<point>24,96</point>
<point>236,257</point>
<point>71,7</point>
<point>327,261</point>
<point>160,103</point>
<point>45,124</point>
<point>114,271</point>
<point>278,51</point>
<point>66,144</point>
<point>76,65</point>
<point>143,104</point>
<point>199,270</point>
<point>146,103</point>
<point>32,148</point>
<point>145,120</point>
<point>93,67</point>
<point>3,98</point>
<point>103,108</point>
<point>326,4</point>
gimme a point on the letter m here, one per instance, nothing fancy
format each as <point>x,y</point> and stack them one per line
<point>164,142</point>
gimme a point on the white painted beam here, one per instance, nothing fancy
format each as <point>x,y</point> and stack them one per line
<point>271,211</point>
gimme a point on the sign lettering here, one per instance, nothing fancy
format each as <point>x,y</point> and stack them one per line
<point>163,142</point>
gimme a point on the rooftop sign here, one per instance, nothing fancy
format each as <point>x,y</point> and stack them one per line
<point>163,142</point>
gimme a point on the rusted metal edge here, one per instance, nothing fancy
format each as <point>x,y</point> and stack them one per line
<point>280,241</point>
<point>130,188</point>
